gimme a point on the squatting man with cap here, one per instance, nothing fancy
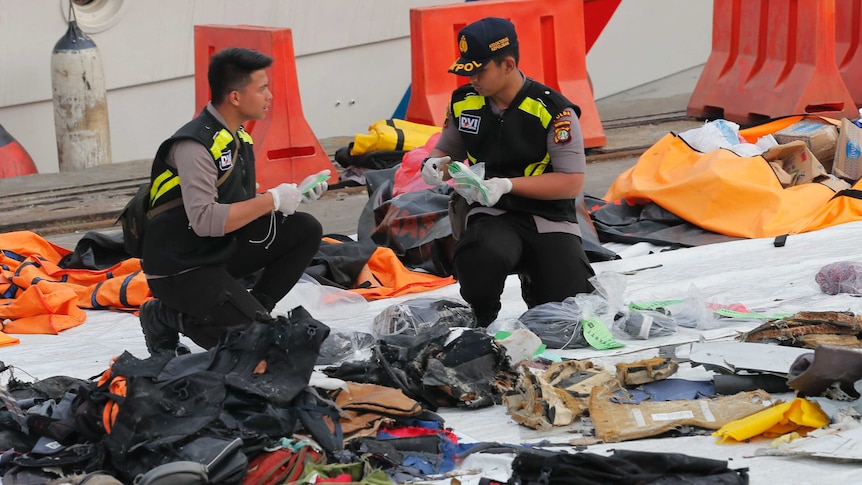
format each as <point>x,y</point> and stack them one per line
<point>524,219</point>
<point>198,254</point>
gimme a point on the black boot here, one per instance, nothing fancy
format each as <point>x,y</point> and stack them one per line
<point>264,300</point>
<point>484,316</point>
<point>161,326</point>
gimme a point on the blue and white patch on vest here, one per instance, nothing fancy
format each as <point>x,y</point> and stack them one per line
<point>226,160</point>
<point>469,124</point>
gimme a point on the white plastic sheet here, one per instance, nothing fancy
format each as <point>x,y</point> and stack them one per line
<point>753,272</point>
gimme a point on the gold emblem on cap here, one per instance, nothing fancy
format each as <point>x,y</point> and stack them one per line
<point>462,44</point>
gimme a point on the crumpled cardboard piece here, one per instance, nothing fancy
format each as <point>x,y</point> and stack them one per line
<point>615,422</point>
<point>821,137</point>
<point>645,371</point>
<point>795,160</point>
<point>558,395</point>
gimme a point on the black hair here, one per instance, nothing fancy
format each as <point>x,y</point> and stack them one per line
<point>510,50</point>
<point>230,70</point>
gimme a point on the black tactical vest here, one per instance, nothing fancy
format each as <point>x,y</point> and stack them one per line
<point>514,143</point>
<point>170,244</point>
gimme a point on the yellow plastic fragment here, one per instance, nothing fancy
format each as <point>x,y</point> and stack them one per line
<point>784,439</point>
<point>777,420</point>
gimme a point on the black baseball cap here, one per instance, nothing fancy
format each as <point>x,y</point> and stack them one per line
<point>479,41</point>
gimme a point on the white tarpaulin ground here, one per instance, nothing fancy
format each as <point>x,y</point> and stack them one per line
<point>753,272</point>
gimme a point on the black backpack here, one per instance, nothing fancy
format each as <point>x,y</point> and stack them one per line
<point>137,213</point>
<point>135,216</point>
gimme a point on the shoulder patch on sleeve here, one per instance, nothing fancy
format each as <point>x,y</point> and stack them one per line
<point>563,127</point>
<point>562,133</point>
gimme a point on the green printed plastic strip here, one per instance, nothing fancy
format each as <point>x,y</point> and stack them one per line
<point>598,335</point>
<point>466,176</point>
<point>653,305</point>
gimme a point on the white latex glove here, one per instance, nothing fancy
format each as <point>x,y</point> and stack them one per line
<point>432,170</point>
<point>489,194</point>
<point>286,198</point>
<point>313,186</point>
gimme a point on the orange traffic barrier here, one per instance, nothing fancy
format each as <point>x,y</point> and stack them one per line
<point>285,148</point>
<point>848,45</point>
<point>14,160</point>
<point>771,58</point>
<point>551,53</point>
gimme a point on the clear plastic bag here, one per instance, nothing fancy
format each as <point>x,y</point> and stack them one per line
<point>697,311</point>
<point>712,135</point>
<point>693,312</point>
<point>324,302</point>
<point>840,277</point>
<point>344,346</point>
<point>470,176</point>
<point>606,300</point>
<point>611,287</point>
<point>414,316</point>
<point>558,324</point>
<point>643,324</point>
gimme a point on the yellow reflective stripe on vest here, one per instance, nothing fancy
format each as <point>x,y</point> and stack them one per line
<point>539,167</point>
<point>244,136</point>
<point>222,139</point>
<point>537,109</point>
<point>163,183</point>
<point>468,103</point>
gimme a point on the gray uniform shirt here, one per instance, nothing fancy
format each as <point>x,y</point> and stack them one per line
<point>198,179</point>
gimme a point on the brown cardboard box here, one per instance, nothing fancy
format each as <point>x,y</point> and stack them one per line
<point>784,178</point>
<point>820,136</point>
<point>797,160</point>
<point>848,154</point>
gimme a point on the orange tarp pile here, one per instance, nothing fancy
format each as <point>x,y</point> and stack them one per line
<point>385,276</point>
<point>737,196</point>
<point>37,296</point>
<point>389,278</point>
